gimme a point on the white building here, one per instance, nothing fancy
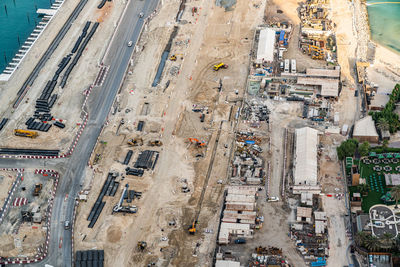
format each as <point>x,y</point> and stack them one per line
<point>235,229</point>
<point>306,161</point>
<point>266,45</point>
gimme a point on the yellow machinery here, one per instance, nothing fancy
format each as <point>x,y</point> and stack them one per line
<point>135,142</point>
<point>192,228</point>
<point>174,57</point>
<point>25,133</point>
<point>155,143</point>
<point>220,66</point>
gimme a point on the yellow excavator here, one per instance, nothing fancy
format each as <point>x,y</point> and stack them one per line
<point>192,228</point>
<point>135,142</point>
<point>155,143</point>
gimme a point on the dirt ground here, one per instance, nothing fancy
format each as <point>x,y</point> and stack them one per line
<point>70,99</point>
<point>168,116</point>
<point>6,180</point>
<point>25,238</point>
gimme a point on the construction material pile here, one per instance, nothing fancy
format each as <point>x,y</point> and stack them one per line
<point>267,256</point>
<point>248,165</point>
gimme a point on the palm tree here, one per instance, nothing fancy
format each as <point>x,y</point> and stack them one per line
<point>382,124</point>
<point>372,243</point>
<point>387,241</point>
<point>395,192</point>
<point>361,237</point>
<point>363,189</point>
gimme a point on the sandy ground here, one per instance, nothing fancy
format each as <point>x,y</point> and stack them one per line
<point>169,118</point>
<point>70,98</point>
<point>6,180</point>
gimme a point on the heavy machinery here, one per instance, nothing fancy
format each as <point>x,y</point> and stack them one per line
<point>220,66</point>
<point>135,142</point>
<point>192,228</point>
<point>37,189</point>
<point>174,57</point>
<point>127,209</point>
<point>141,245</point>
<point>155,143</point>
<point>25,133</point>
<point>197,142</point>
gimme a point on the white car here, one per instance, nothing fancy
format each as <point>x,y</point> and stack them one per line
<point>130,43</point>
<point>273,199</point>
<point>141,14</point>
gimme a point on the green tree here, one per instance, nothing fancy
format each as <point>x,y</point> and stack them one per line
<point>385,143</point>
<point>372,243</point>
<point>395,193</point>
<point>382,124</point>
<point>363,149</point>
<point>361,237</point>
<point>386,241</point>
<point>347,149</point>
<point>363,188</point>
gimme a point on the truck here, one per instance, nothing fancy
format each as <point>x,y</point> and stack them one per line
<point>37,189</point>
<point>26,133</point>
<point>293,69</point>
<point>286,65</point>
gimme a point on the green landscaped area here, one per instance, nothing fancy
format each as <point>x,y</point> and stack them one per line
<point>375,178</point>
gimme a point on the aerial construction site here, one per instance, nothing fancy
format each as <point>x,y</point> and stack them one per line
<point>179,133</point>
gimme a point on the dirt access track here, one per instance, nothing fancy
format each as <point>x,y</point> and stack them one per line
<point>210,36</point>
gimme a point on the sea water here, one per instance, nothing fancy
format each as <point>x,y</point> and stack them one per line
<point>384,22</point>
<point>18,18</point>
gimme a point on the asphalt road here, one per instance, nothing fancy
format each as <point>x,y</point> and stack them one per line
<point>100,101</point>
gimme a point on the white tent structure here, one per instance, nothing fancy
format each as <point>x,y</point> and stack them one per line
<point>306,162</point>
<point>266,45</point>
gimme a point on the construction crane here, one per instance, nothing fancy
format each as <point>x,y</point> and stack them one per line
<point>127,209</point>
<point>197,142</point>
<point>220,66</point>
<point>26,133</point>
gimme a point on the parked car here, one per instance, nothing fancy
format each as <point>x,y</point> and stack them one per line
<point>67,225</point>
<point>240,241</point>
<point>273,199</point>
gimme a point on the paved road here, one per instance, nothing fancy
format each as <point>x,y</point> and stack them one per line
<point>100,102</point>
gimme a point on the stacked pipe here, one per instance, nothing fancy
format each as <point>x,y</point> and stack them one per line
<point>145,159</point>
<point>47,100</point>
<point>102,3</point>
<point>107,189</point>
<point>84,32</point>
<point>128,157</point>
<point>3,123</point>
<point>135,172</point>
<point>31,152</point>
<point>78,55</point>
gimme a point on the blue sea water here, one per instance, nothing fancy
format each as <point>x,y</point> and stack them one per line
<point>18,18</point>
<point>384,22</point>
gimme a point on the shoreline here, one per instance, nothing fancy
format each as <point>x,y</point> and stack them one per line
<point>376,43</point>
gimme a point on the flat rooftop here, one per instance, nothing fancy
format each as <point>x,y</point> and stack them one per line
<point>329,87</point>
<point>323,73</point>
